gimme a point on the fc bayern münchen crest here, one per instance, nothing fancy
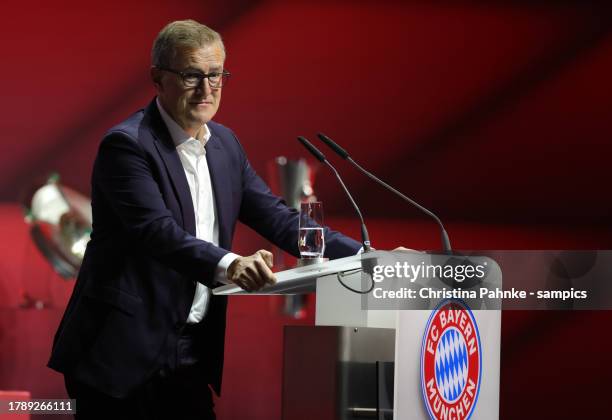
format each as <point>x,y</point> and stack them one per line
<point>451,362</point>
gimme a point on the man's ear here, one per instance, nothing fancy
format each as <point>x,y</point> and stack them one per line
<point>156,76</point>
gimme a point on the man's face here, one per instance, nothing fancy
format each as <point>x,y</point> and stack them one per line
<point>190,107</point>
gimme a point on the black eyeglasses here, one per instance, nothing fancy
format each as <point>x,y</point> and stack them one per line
<point>193,79</point>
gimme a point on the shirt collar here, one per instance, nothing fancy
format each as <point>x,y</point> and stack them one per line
<point>179,136</point>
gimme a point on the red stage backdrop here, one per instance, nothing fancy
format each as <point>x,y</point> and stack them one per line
<point>494,113</point>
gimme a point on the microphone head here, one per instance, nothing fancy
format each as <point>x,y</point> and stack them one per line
<point>313,150</point>
<point>333,145</point>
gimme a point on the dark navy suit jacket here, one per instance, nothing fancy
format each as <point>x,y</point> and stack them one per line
<point>137,281</point>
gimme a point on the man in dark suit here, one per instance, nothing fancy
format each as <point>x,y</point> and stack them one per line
<point>142,336</point>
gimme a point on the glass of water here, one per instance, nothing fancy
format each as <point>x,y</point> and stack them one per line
<point>311,240</point>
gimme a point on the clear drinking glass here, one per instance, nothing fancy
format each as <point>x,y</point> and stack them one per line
<point>311,240</point>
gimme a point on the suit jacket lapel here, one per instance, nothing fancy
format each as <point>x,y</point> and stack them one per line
<point>218,167</point>
<point>167,150</point>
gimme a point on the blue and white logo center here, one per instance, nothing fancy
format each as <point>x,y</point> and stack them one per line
<point>451,365</point>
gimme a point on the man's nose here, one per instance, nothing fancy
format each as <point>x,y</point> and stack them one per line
<point>204,86</point>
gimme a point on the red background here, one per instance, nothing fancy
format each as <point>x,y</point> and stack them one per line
<point>494,113</point>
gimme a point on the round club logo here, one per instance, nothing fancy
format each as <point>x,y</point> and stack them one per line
<point>451,362</point>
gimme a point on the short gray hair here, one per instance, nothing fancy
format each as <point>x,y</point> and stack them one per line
<point>181,34</point>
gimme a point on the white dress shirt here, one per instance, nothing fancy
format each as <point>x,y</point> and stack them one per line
<point>193,157</point>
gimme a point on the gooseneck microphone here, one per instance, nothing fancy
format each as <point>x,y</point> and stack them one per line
<point>344,155</point>
<point>365,239</point>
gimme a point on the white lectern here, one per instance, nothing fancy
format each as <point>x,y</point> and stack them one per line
<point>343,368</point>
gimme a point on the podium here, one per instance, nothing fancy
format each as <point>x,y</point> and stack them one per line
<point>360,363</point>
<point>335,306</point>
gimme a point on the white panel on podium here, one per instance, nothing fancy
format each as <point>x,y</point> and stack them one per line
<point>338,306</point>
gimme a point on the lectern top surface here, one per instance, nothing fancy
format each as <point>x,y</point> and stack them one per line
<point>297,280</point>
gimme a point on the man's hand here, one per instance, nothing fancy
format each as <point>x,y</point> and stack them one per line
<point>252,272</point>
<point>402,249</point>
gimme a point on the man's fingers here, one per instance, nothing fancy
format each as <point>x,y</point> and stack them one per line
<point>265,274</point>
<point>253,272</point>
<point>242,285</point>
<point>267,256</point>
<point>403,249</point>
<point>257,271</point>
<point>246,282</point>
<point>241,274</point>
